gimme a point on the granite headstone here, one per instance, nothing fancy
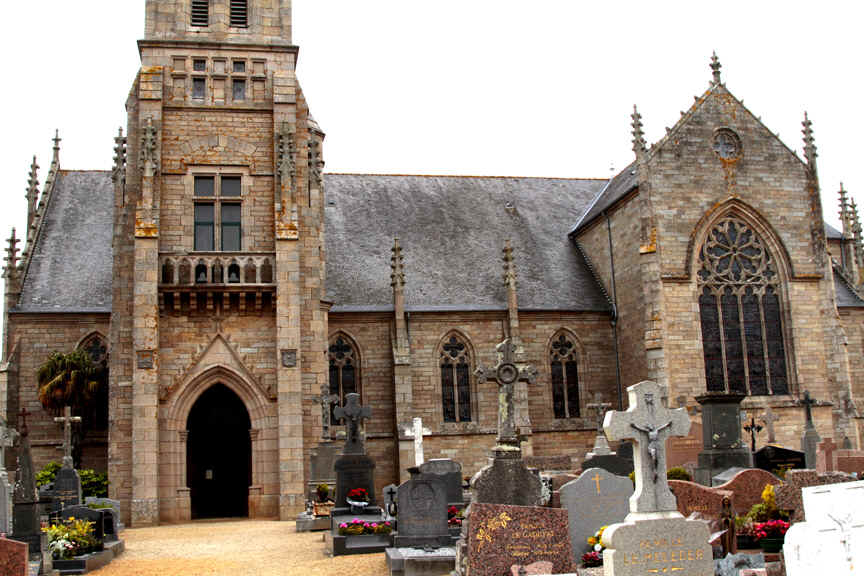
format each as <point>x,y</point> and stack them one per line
<point>696,498</point>
<point>788,495</point>
<point>810,439</point>
<point>422,519</point>
<point>747,487</point>
<point>354,469</point>
<point>450,472</point>
<point>500,537</point>
<point>13,558</point>
<point>722,447</point>
<point>596,498</point>
<point>26,525</point>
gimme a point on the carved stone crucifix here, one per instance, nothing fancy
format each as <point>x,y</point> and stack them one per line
<point>354,414</point>
<point>7,440</point>
<point>67,419</point>
<point>326,399</point>
<point>507,374</point>
<point>649,422</point>
<point>768,418</point>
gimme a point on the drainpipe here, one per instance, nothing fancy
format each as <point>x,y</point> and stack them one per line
<point>614,315</point>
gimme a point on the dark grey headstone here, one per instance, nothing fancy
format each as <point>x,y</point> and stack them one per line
<point>26,525</point>
<point>596,498</point>
<point>450,472</point>
<point>726,475</point>
<point>422,512</point>
<point>354,471</point>
<point>809,444</point>
<point>773,458</point>
<point>89,514</point>
<point>722,447</point>
<point>67,488</point>
<point>507,481</point>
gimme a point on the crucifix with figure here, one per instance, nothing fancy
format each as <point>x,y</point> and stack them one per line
<point>768,418</point>
<point>601,446</point>
<point>354,414</point>
<point>67,419</point>
<point>649,422</point>
<point>507,374</point>
<point>326,399</point>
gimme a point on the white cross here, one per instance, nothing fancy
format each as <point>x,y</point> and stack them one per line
<point>67,419</point>
<point>417,432</point>
<point>649,422</point>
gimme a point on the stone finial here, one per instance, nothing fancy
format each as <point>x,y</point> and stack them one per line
<point>55,161</point>
<point>120,142</point>
<point>32,197</point>
<point>809,143</point>
<point>857,233</point>
<point>845,216</point>
<point>715,68</point>
<point>316,163</point>
<point>149,144</point>
<point>397,274</point>
<point>638,135</point>
<point>10,270</point>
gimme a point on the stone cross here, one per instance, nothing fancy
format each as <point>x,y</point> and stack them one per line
<point>7,440</point>
<point>601,445</point>
<point>417,432</point>
<point>67,419</point>
<point>649,422</point>
<point>326,399</point>
<point>808,403</point>
<point>826,450</point>
<point>507,374</point>
<point>599,409</point>
<point>354,414</point>
<point>768,418</point>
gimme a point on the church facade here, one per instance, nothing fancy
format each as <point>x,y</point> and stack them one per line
<point>229,284</point>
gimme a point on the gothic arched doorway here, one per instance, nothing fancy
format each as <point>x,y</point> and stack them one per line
<point>219,455</point>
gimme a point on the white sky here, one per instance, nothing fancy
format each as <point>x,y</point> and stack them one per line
<point>481,87</point>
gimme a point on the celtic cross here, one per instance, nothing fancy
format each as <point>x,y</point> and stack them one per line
<point>67,419</point>
<point>507,374</point>
<point>354,414</point>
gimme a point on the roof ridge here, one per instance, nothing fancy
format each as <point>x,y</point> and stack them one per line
<point>87,171</point>
<point>466,176</point>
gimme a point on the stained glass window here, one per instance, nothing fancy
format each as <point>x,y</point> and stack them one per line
<point>740,314</point>
<point>455,364</point>
<point>344,369</point>
<point>565,376</point>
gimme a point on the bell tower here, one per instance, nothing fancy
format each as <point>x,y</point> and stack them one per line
<point>218,234</point>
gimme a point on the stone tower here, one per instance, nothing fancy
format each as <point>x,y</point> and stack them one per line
<point>218,261</point>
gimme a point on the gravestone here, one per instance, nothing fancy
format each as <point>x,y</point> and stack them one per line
<point>388,499</point>
<point>422,512</point>
<point>596,498</point>
<point>67,483</point>
<point>831,541</point>
<point>450,473</point>
<point>695,498</point>
<point>601,444</point>
<point>7,440</point>
<point>416,432</point>
<point>96,516</point>
<point>788,495</point>
<point>26,525</point>
<point>103,503</point>
<point>733,564</point>
<point>654,538</point>
<point>810,438</point>
<point>726,475</point>
<point>768,419</point>
<point>684,452</point>
<point>322,458</point>
<point>825,458</point>
<point>354,469</point>
<point>722,447</point>
<point>747,486</point>
<point>775,458</point>
<point>13,558</point>
<point>500,537</point>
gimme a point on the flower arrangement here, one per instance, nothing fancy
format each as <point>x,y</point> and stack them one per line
<point>770,529</point>
<point>71,538</point>
<point>595,556</point>
<point>358,495</point>
<point>358,527</point>
<point>323,492</point>
<point>454,516</point>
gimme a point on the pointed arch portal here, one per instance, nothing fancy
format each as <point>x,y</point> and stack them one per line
<point>219,454</point>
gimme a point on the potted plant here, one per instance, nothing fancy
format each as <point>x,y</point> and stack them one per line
<point>761,513</point>
<point>358,499</point>
<point>357,527</point>
<point>323,492</point>
<point>770,535</point>
<point>454,517</point>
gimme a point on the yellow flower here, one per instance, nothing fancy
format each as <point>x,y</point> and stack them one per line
<point>768,494</point>
<point>592,541</point>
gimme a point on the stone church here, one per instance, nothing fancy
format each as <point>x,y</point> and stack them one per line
<point>228,283</point>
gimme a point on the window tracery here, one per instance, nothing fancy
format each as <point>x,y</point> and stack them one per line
<point>740,312</point>
<point>455,363</point>
<point>564,368</point>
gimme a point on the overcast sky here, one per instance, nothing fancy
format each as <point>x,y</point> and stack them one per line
<point>480,87</point>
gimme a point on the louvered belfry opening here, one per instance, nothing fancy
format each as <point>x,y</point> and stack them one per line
<point>200,12</point>
<point>239,13</point>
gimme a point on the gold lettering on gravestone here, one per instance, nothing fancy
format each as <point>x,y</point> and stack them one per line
<point>489,527</point>
<point>597,481</point>
<point>663,551</point>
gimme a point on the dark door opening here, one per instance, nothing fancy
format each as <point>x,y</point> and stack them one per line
<point>219,455</point>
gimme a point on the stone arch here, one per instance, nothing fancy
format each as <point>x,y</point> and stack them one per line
<point>780,266</point>
<point>581,357</point>
<point>443,357</point>
<point>173,417</point>
<point>356,355</point>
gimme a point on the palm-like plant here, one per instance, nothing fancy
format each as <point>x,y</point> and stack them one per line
<point>70,379</point>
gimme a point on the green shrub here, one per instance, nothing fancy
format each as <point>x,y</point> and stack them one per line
<point>92,483</point>
<point>678,473</point>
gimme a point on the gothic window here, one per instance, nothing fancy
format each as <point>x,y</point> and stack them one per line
<point>239,13</point>
<point>455,362</point>
<point>97,409</point>
<point>200,13</point>
<point>344,369</point>
<point>740,313</point>
<point>96,349</point>
<point>218,213</point>
<point>565,376</point>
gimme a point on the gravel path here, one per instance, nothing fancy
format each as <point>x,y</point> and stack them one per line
<point>234,548</point>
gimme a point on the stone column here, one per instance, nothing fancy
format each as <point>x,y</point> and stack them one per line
<point>184,493</point>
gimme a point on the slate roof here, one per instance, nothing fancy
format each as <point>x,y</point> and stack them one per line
<point>452,231</point>
<point>617,188</point>
<point>832,233</point>
<point>70,269</point>
<point>846,298</point>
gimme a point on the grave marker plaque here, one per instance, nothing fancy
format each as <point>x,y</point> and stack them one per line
<point>597,498</point>
<point>500,537</point>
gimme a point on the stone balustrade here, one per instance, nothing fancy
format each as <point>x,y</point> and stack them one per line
<point>242,269</point>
